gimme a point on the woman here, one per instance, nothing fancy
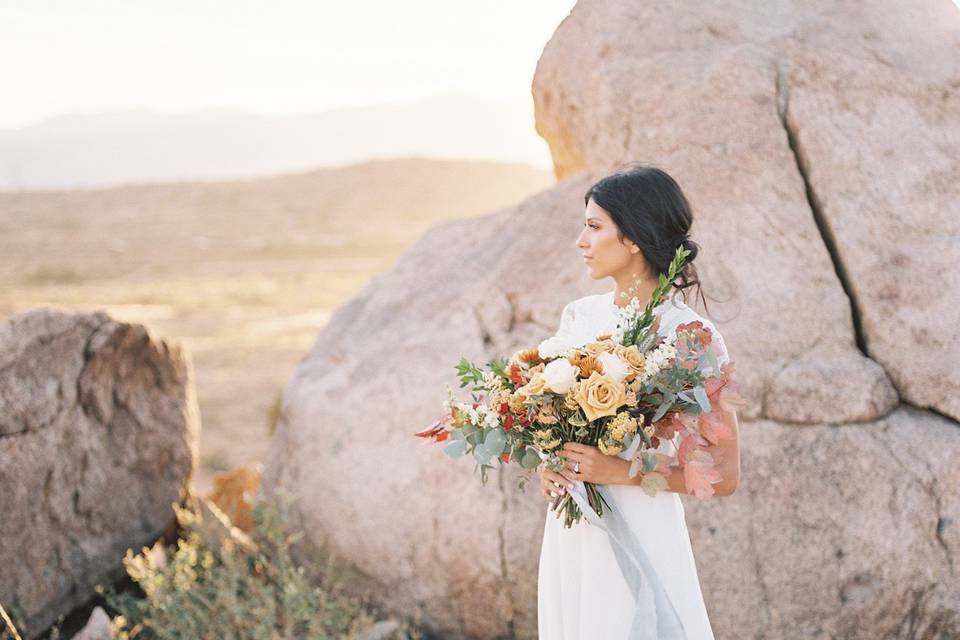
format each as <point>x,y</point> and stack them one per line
<point>634,221</point>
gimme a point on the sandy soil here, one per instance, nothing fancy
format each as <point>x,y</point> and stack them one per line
<point>243,273</point>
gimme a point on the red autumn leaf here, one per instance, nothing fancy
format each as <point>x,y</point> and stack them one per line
<point>668,426</point>
<point>713,427</point>
<point>699,474</point>
<point>505,456</point>
<point>730,399</point>
<point>438,431</point>
<point>687,445</point>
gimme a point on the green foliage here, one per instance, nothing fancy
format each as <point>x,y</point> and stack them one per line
<point>222,586</point>
<point>469,373</point>
<point>635,333</point>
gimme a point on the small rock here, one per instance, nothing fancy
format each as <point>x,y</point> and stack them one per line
<point>97,627</point>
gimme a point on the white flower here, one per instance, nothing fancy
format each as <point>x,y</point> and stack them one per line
<point>656,359</point>
<point>613,366</point>
<point>559,376</point>
<point>555,346</point>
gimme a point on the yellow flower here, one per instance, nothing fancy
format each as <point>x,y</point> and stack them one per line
<point>546,415</point>
<point>599,396</point>
<point>516,402</point>
<point>609,450</point>
<point>549,446</point>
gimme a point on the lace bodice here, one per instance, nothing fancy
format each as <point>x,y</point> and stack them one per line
<point>583,319</point>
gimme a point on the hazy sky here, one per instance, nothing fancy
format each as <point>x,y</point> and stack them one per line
<point>282,57</point>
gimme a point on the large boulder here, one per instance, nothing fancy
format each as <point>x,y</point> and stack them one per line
<point>837,316</point>
<point>98,436</point>
<point>836,532</point>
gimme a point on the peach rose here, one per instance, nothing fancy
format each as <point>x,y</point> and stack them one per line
<point>634,359</point>
<point>602,346</point>
<point>536,385</point>
<point>599,396</point>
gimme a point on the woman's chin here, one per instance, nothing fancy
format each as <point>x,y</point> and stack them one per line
<point>593,273</point>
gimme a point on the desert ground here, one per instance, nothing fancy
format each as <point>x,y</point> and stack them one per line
<point>242,273</point>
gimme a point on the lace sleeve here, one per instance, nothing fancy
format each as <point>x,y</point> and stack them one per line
<point>560,341</point>
<point>567,317</point>
<point>719,346</point>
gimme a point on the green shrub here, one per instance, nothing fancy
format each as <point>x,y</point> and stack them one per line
<point>221,584</point>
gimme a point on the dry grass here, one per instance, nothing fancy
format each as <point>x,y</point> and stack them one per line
<point>243,273</point>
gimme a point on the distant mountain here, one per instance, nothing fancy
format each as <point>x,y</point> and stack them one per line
<point>97,150</point>
<point>372,208</point>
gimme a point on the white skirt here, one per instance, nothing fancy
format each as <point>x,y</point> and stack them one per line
<point>581,591</point>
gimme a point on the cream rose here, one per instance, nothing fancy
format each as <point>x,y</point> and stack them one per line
<point>559,376</point>
<point>599,396</point>
<point>614,367</point>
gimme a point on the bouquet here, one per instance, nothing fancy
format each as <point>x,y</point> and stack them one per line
<point>622,393</point>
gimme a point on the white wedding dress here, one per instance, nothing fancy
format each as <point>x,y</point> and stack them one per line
<point>582,593</point>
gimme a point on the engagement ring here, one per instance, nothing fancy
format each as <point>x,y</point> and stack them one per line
<point>576,468</point>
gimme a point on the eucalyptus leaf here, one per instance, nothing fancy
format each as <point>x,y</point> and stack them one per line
<point>701,395</point>
<point>530,459</point>
<point>455,448</point>
<point>495,441</point>
<point>662,410</point>
<point>630,445</point>
<point>652,483</point>
<point>649,461</point>
<point>634,468</point>
<point>714,365</point>
<point>481,455</point>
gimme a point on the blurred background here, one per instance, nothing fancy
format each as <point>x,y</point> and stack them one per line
<point>228,173</point>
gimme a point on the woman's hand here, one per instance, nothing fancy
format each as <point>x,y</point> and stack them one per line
<point>553,485</point>
<point>595,467</point>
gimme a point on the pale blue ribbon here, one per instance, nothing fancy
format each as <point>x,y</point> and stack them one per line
<point>655,617</point>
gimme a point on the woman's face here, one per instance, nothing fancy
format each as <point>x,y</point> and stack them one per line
<point>604,253</point>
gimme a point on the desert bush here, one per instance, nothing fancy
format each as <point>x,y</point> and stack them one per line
<point>229,586</point>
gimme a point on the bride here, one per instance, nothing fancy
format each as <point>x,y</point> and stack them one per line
<point>634,221</point>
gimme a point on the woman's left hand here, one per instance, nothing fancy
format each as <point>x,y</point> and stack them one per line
<point>595,467</point>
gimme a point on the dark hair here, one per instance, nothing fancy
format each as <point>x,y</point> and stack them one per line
<point>650,209</point>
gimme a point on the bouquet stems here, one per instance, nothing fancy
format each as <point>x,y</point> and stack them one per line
<point>572,512</point>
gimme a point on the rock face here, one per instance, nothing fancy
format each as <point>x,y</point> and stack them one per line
<point>98,429</point>
<point>814,141</point>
